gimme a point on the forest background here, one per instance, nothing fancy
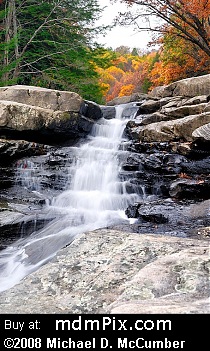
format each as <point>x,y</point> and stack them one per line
<point>53,44</point>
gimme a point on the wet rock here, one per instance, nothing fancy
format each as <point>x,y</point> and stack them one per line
<point>108,112</point>
<point>91,110</point>
<point>11,150</point>
<point>130,167</point>
<point>155,218</point>
<point>197,167</point>
<point>6,177</point>
<point>164,163</point>
<point>132,162</point>
<point>190,189</point>
<point>19,220</point>
<point>133,210</point>
<point>166,216</point>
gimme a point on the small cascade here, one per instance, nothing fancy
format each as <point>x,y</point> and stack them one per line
<point>25,175</point>
<point>95,198</point>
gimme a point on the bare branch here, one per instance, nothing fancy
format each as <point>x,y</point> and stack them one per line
<point>193,27</point>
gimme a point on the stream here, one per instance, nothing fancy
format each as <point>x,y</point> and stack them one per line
<point>94,197</point>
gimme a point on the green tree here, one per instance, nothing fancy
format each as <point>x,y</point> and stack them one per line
<point>49,43</point>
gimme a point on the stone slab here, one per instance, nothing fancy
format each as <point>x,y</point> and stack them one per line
<point>109,271</point>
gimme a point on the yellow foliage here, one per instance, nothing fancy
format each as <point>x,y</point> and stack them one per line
<point>126,90</point>
<point>115,72</point>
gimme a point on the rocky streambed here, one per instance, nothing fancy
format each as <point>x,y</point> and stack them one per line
<point>166,164</point>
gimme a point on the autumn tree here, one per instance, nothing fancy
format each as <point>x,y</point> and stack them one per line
<point>178,59</point>
<point>126,73</point>
<point>191,19</point>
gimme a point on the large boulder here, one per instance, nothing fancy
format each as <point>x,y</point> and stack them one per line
<point>108,271</point>
<point>45,115</point>
<point>188,87</point>
<point>55,100</point>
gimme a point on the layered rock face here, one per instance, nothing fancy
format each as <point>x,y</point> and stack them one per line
<point>171,119</point>
<point>170,141</point>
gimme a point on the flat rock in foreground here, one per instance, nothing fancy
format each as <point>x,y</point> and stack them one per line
<point>109,271</point>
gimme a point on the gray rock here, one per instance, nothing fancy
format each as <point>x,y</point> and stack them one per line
<point>149,106</point>
<point>45,115</point>
<point>183,111</point>
<point>202,132</point>
<point>126,99</point>
<point>154,117</point>
<point>207,108</point>
<point>189,87</point>
<point>55,100</point>
<point>196,100</point>
<point>108,112</point>
<point>181,128</point>
<point>34,122</point>
<point>109,271</point>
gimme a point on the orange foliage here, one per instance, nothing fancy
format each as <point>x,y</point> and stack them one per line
<point>126,90</point>
<point>199,8</point>
<point>177,58</point>
<point>124,76</point>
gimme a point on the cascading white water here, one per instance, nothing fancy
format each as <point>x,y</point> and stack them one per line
<point>96,198</point>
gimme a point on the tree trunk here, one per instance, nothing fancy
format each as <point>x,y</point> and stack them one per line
<point>11,33</point>
<point>15,33</point>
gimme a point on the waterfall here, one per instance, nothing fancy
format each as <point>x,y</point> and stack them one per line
<point>95,198</point>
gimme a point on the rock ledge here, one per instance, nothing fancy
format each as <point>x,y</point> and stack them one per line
<point>108,271</point>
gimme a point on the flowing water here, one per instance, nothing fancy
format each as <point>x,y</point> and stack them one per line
<point>95,198</point>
